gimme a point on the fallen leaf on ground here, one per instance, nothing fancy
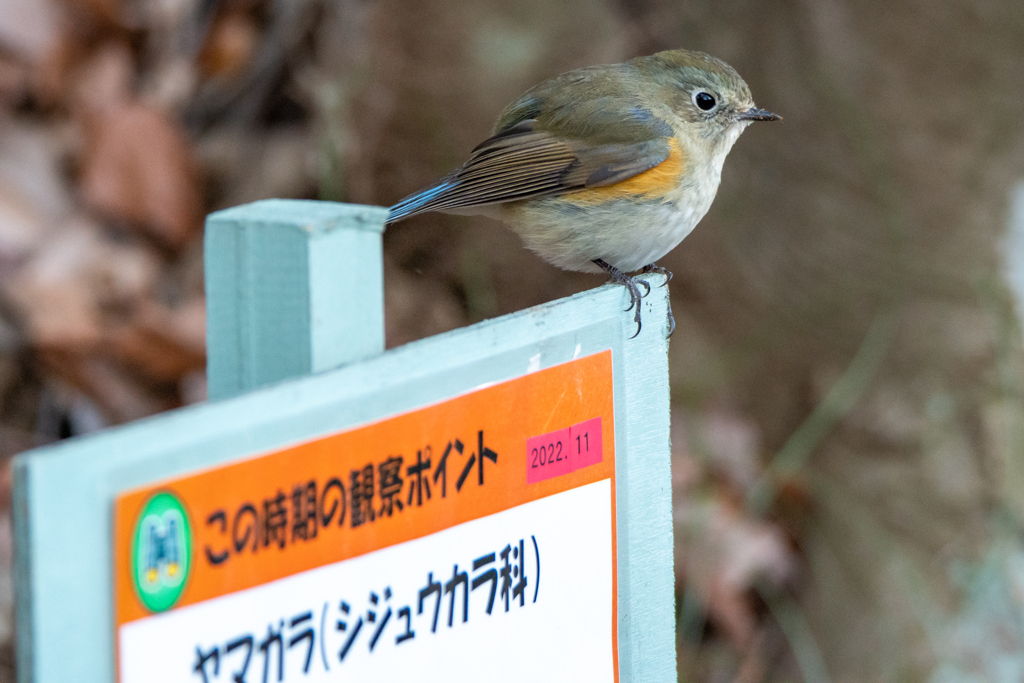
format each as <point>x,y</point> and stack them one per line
<point>137,165</point>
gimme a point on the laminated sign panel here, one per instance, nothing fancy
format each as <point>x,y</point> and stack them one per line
<point>470,540</point>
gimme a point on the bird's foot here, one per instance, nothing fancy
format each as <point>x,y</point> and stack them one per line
<point>632,285</point>
<point>661,270</point>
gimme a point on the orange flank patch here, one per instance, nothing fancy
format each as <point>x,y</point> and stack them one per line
<point>652,183</point>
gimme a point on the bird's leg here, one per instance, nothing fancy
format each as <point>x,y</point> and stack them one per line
<point>631,285</point>
<point>661,270</point>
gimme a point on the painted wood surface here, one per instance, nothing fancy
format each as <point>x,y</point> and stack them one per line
<point>292,287</point>
<point>63,493</point>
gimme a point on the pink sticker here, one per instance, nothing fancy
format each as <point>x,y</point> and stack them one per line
<point>585,443</point>
<point>563,451</point>
<point>547,456</point>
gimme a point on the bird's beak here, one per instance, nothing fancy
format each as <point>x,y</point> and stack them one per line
<point>755,114</point>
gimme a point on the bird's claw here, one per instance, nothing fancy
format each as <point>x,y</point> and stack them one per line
<point>632,286</point>
<point>660,270</point>
<point>634,300</point>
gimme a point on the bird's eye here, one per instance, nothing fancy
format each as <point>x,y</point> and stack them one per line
<point>704,100</point>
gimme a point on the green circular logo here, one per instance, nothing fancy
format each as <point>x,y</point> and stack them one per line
<point>161,552</point>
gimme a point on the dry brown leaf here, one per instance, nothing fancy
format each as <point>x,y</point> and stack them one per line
<point>163,345</point>
<point>75,28</point>
<point>52,73</point>
<point>137,165</point>
<point>152,353</point>
<point>95,15</point>
<point>28,28</point>
<point>33,195</point>
<point>731,611</point>
<point>187,324</point>
<point>733,446</point>
<point>722,554</point>
<point>117,393</point>
<point>193,388</point>
<point>85,303</point>
<point>720,550</point>
<point>75,280</point>
<point>138,168</point>
<point>21,226</point>
<point>14,81</point>
<point>104,81</point>
<point>230,45</point>
<point>51,295</point>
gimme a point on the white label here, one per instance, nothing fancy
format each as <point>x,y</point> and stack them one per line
<point>371,618</point>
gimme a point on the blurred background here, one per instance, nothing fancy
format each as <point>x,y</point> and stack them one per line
<point>847,376</point>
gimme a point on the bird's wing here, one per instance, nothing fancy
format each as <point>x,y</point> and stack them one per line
<point>532,158</point>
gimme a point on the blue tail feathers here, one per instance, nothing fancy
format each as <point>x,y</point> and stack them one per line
<point>418,202</point>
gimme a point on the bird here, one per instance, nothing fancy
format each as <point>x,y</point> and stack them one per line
<point>607,168</point>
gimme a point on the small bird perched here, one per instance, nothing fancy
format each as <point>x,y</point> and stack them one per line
<point>605,168</point>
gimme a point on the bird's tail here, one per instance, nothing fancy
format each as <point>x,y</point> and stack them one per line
<point>418,202</point>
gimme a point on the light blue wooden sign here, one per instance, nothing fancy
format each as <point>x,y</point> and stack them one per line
<point>295,339</point>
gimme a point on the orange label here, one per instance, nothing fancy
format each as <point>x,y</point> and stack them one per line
<point>340,496</point>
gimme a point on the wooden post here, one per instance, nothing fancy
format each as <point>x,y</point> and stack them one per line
<point>292,288</point>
